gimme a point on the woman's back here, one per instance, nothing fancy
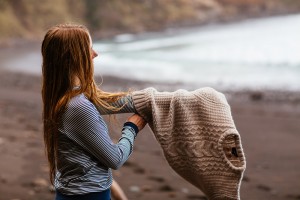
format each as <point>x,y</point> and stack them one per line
<point>85,151</point>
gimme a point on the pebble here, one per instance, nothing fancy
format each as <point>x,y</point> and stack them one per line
<point>146,188</point>
<point>185,190</point>
<point>31,192</point>
<point>172,194</point>
<point>117,174</point>
<point>134,188</point>
<point>51,189</point>
<point>45,168</point>
<point>40,182</point>
<point>274,192</point>
<point>2,179</point>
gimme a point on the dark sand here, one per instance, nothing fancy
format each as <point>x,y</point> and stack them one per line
<point>269,124</point>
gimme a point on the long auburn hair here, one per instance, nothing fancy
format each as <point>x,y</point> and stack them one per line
<point>66,52</point>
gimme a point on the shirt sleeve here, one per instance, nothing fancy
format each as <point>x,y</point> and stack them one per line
<point>125,103</point>
<point>86,127</point>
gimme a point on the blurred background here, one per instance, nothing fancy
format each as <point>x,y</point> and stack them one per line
<point>249,50</point>
<point>186,41</point>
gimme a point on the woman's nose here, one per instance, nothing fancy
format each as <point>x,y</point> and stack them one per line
<point>94,54</point>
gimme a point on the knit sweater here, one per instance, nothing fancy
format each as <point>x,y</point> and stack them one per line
<point>198,136</point>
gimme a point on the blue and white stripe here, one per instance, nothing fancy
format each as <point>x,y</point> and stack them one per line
<point>86,153</point>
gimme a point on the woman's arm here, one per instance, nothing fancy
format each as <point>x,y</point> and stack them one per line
<point>117,192</point>
<point>125,103</point>
<point>84,125</point>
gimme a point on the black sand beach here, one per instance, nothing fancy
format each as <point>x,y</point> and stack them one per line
<point>268,122</point>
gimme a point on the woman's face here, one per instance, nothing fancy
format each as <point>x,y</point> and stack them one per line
<point>94,53</point>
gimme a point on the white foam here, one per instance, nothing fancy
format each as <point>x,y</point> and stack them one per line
<point>256,53</point>
<point>261,53</point>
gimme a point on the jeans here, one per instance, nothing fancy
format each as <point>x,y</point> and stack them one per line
<point>105,195</point>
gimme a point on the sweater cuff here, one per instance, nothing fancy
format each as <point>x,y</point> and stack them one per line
<point>133,126</point>
<point>141,101</point>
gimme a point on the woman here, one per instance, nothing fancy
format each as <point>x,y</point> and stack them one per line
<point>80,152</point>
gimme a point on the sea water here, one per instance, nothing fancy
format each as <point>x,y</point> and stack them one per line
<point>252,54</point>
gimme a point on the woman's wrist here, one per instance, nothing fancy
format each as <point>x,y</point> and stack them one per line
<point>133,126</point>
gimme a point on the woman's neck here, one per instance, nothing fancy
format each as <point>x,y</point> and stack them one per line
<point>76,81</point>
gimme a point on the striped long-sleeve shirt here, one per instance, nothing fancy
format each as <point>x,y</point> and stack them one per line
<point>86,153</point>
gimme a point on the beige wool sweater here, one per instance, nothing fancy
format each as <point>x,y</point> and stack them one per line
<point>198,136</point>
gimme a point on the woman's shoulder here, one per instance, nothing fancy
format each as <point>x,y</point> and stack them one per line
<point>79,100</point>
<point>80,103</point>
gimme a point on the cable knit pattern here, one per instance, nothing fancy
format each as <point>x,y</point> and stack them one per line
<point>199,139</point>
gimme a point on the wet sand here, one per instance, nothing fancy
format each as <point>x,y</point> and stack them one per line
<point>268,121</point>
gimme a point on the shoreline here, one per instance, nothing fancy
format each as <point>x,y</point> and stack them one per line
<point>243,95</point>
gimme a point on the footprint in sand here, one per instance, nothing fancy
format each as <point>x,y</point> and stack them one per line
<point>139,170</point>
<point>157,179</point>
<point>246,179</point>
<point>136,168</point>
<point>264,188</point>
<point>293,196</point>
<point>197,197</point>
<point>166,188</point>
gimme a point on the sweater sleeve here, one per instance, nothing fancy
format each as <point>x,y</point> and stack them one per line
<point>125,103</point>
<point>149,103</point>
<point>86,127</point>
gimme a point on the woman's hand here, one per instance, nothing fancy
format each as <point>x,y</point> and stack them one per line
<point>138,121</point>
